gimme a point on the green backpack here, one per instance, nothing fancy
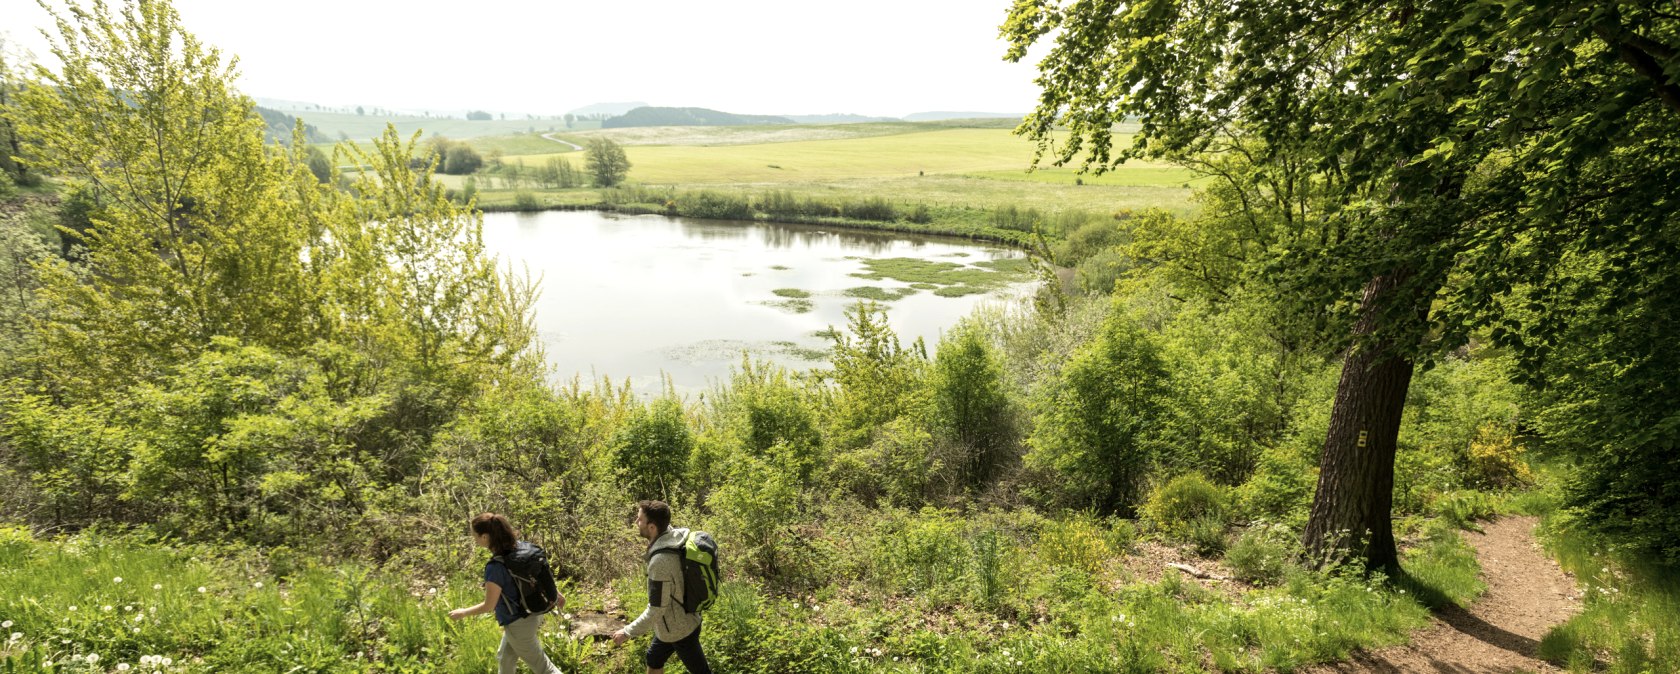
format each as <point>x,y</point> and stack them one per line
<point>699,570</point>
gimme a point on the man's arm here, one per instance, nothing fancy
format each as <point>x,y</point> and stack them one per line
<point>663,575</point>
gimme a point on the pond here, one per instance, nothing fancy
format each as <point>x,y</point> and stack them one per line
<point>639,298</point>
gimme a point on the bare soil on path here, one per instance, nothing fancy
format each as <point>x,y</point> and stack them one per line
<point>1527,594</point>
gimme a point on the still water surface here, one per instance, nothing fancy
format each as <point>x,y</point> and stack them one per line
<point>635,297</point>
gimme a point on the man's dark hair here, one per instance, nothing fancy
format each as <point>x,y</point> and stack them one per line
<point>657,512</point>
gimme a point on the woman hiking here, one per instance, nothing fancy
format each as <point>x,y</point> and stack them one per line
<point>520,626</point>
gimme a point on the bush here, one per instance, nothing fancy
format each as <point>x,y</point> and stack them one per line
<point>1496,459</point>
<point>874,209</point>
<point>714,205</point>
<point>1182,505</point>
<point>1262,554</point>
<point>922,554</point>
<point>1074,543</point>
<point>652,449</point>
<point>1096,419</point>
<point>526,201</point>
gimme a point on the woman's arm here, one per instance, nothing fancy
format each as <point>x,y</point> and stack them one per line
<point>492,594</point>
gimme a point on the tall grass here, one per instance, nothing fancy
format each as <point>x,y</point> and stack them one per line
<point>992,592</point>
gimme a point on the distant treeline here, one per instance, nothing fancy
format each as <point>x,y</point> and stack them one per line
<point>278,126</point>
<point>657,116</point>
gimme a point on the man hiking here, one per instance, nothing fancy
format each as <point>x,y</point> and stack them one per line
<point>675,630</point>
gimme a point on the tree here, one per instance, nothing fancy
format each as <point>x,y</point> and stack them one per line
<point>605,160</point>
<point>461,160</point>
<point>1423,165</point>
<point>192,227</point>
<point>11,144</point>
<point>479,116</point>
<point>359,110</point>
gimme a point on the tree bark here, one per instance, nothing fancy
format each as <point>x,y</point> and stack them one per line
<point>1352,508</point>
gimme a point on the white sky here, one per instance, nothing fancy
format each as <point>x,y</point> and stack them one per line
<point>870,57</point>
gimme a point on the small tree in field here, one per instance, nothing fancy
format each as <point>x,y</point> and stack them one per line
<point>606,162</point>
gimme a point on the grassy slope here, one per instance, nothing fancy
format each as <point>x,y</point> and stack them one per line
<point>905,163</point>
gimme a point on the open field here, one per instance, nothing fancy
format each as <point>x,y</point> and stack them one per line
<point>989,152</point>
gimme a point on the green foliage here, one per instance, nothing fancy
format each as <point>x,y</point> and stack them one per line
<point>970,405</point>
<point>1097,417</point>
<point>874,208</point>
<point>1263,554</point>
<point>878,380</point>
<point>1631,597</point>
<point>605,161</point>
<point>652,448</point>
<point>717,205</point>
<point>1178,508</point>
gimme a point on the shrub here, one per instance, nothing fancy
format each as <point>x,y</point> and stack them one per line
<point>1496,459</point>
<point>652,449</point>
<point>714,205</point>
<point>875,209</point>
<point>1262,554</point>
<point>1280,489</point>
<point>1096,419</point>
<point>526,201</point>
<point>1179,508</point>
<point>1464,508</point>
<point>922,553</point>
<point>1074,543</point>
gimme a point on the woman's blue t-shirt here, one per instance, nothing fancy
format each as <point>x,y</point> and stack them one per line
<point>507,609</point>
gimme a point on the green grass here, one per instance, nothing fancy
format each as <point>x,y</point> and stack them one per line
<point>794,293</point>
<point>879,294</point>
<point>936,151</point>
<point>1631,618</point>
<point>902,591</point>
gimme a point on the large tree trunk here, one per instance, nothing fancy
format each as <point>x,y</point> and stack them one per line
<point>1351,511</point>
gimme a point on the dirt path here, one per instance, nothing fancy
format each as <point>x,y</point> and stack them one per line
<point>1527,594</point>
<point>575,147</point>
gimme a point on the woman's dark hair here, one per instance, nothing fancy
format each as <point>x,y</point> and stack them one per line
<point>656,512</point>
<point>502,535</point>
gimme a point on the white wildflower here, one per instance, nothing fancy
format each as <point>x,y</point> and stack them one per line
<point>167,661</point>
<point>93,658</point>
<point>118,579</point>
<point>259,585</point>
<point>202,589</point>
<point>157,586</point>
<point>16,636</point>
<point>72,609</point>
<point>122,666</point>
<point>6,624</point>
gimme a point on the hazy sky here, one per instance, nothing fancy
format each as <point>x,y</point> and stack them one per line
<point>872,57</point>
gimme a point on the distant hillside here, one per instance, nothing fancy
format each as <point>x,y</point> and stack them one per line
<point>838,119</point>
<point>938,116</point>
<point>652,116</point>
<point>609,109</point>
<point>279,127</point>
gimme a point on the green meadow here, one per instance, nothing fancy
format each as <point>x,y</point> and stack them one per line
<point>947,168</point>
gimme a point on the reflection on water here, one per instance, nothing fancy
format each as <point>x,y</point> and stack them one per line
<point>635,297</point>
